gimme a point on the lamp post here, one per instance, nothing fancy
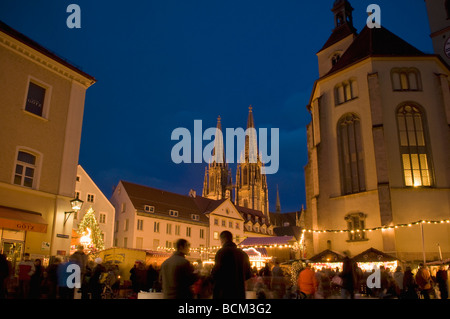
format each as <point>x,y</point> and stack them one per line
<point>76,206</point>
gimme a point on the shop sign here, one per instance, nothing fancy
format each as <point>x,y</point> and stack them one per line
<point>20,225</point>
<point>62,236</point>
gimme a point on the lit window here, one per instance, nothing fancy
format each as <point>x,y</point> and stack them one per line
<point>406,79</point>
<point>25,169</point>
<point>355,225</point>
<point>216,235</point>
<point>413,146</point>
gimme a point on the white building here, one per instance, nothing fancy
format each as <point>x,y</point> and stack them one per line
<point>87,191</point>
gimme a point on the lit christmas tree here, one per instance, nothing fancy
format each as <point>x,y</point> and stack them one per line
<point>91,233</point>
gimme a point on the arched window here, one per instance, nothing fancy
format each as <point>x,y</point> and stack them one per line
<point>351,155</point>
<point>346,91</point>
<point>414,150</point>
<point>406,79</point>
<point>356,222</point>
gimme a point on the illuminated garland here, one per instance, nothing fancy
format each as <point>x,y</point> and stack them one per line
<point>215,248</point>
<point>377,228</point>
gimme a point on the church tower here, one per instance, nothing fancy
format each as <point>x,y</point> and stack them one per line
<point>439,17</point>
<point>217,183</point>
<point>251,185</point>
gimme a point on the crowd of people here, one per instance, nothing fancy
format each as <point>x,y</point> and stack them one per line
<point>326,283</point>
<point>231,277</point>
<point>34,281</point>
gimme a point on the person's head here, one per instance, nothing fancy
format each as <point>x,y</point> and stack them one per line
<point>420,265</point>
<point>98,260</point>
<point>183,246</point>
<point>80,248</point>
<point>399,268</point>
<point>37,262</point>
<point>226,237</point>
<point>26,256</point>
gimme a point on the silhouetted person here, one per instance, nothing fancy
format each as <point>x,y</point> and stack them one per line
<point>36,280</point>
<point>177,273</point>
<point>5,271</point>
<point>231,270</point>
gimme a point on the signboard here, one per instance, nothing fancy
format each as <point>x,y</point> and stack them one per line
<point>45,245</point>
<point>116,258</point>
<point>21,225</point>
<point>62,236</point>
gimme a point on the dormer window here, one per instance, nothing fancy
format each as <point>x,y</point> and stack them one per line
<point>195,217</point>
<point>335,58</point>
<point>149,209</point>
<point>173,213</point>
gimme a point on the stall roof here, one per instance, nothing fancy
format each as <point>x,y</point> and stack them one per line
<point>438,262</point>
<point>275,240</point>
<point>327,256</point>
<point>372,254</point>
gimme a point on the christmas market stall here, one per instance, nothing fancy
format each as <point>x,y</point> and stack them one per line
<point>327,259</point>
<point>371,258</point>
<point>263,249</point>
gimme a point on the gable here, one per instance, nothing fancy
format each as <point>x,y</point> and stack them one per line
<point>227,209</point>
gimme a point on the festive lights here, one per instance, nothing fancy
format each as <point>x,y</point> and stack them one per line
<point>382,228</point>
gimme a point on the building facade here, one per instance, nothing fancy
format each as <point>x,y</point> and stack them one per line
<point>152,219</point>
<point>378,145</point>
<point>92,196</point>
<point>42,111</point>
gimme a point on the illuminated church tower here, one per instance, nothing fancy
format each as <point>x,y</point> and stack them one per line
<point>251,185</point>
<point>217,183</point>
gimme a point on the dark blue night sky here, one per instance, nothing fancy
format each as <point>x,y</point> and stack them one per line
<point>162,64</point>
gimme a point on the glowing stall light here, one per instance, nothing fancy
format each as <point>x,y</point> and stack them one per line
<point>86,240</point>
<point>369,266</point>
<point>256,258</point>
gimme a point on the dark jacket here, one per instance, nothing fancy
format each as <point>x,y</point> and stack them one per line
<point>177,276</point>
<point>348,275</point>
<point>231,270</point>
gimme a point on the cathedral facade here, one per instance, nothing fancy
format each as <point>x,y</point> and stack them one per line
<point>250,188</point>
<point>378,145</point>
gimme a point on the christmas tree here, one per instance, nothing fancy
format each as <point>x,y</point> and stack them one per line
<point>91,232</point>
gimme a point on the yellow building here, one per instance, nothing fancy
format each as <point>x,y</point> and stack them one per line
<point>378,145</point>
<point>42,111</point>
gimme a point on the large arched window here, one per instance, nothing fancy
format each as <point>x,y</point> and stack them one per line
<point>351,155</point>
<point>414,151</point>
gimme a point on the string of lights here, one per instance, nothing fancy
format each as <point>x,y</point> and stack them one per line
<point>376,228</point>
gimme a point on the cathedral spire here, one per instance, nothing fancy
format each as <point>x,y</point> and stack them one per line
<point>251,147</point>
<point>218,151</point>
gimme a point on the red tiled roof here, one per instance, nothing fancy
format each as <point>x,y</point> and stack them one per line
<point>256,241</point>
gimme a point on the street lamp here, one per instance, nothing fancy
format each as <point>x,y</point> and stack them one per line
<point>76,206</point>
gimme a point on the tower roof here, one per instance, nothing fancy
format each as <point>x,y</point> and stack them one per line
<point>250,121</point>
